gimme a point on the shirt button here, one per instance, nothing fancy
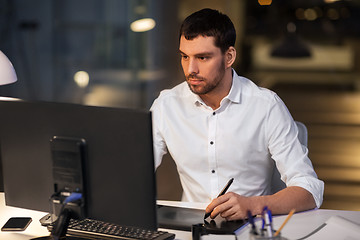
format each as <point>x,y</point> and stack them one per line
<point>214,113</point>
<point>213,171</point>
<point>211,142</point>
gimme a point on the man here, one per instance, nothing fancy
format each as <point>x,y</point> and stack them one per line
<point>217,125</point>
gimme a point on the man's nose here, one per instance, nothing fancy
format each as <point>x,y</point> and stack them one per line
<point>193,67</point>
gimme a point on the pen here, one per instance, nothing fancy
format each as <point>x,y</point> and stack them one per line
<point>220,194</point>
<point>286,220</point>
<point>251,221</point>
<point>267,221</point>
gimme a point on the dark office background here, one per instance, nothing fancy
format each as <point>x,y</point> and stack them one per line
<point>306,50</point>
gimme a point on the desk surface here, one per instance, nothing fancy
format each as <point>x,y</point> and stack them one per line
<point>36,230</point>
<point>299,225</point>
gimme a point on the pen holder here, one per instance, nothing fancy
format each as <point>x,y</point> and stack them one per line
<point>264,236</point>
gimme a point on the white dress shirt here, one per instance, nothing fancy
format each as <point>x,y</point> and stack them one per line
<point>238,140</point>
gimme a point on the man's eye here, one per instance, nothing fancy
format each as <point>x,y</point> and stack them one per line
<point>184,57</point>
<point>203,58</point>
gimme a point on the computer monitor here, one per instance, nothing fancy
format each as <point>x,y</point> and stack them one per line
<point>119,168</point>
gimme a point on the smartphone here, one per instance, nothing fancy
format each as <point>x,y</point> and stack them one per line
<point>16,224</point>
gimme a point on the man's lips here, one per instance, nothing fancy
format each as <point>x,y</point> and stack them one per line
<point>194,81</point>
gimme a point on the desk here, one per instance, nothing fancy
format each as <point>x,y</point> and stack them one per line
<point>36,230</point>
<point>299,225</point>
<point>303,223</point>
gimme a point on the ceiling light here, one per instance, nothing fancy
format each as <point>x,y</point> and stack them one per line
<point>82,79</point>
<point>142,25</point>
<point>264,2</point>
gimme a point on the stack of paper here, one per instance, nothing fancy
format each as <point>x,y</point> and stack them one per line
<point>337,228</point>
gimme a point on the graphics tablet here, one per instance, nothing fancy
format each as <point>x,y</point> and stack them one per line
<point>180,218</point>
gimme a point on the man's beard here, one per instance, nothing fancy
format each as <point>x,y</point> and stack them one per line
<point>209,85</point>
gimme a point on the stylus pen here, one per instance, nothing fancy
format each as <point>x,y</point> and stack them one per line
<point>220,194</point>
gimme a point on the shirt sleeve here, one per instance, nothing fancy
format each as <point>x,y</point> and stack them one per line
<point>159,144</point>
<point>290,155</point>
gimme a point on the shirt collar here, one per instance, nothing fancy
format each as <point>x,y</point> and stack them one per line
<point>235,90</point>
<point>233,96</point>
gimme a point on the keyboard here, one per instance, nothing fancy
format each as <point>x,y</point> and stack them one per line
<point>94,229</point>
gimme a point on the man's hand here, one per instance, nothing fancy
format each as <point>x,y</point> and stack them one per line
<point>230,206</point>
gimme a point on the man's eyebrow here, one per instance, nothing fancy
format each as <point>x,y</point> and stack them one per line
<point>199,54</point>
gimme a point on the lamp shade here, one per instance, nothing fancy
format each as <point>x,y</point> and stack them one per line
<point>7,71</point>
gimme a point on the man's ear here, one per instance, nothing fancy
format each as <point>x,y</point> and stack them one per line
<point>230,56</point>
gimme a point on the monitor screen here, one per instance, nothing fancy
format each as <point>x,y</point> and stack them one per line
<point>119,166</point>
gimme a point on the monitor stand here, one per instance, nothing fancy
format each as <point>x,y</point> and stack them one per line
<point>60,226</point>
<point>47,220</point>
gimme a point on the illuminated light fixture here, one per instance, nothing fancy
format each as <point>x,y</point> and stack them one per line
<point>331,1</point>
<point>310,14</point>
<point>142,25</point>
<point>265,2</point>
<point>7,71</point>
<point>82,79</point>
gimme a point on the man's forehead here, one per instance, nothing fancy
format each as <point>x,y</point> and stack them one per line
<point>198,45</point>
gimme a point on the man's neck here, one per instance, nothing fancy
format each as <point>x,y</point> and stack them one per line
<point>213,98</point>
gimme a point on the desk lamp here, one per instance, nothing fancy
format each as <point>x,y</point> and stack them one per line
<point>7,76</point>
<point>7,71</point>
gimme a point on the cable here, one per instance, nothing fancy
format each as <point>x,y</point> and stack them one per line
<point>62,223</point>
<point>73,197</point>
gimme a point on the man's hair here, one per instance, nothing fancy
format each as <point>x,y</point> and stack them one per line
<point>210,23</point>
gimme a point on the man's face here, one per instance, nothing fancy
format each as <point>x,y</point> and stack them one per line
<point>203,64</point>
